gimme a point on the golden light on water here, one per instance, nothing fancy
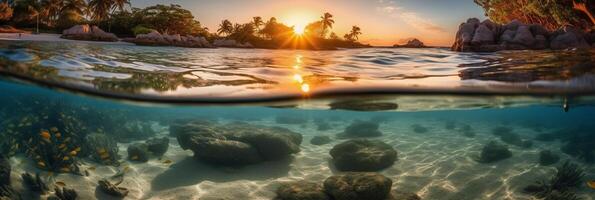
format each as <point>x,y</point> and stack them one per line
<point>305,88</point>
<point>298,78</point>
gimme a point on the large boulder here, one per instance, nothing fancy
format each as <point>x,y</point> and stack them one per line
<point>154,38</point>
<point>483,35</point>
<point>138,152</point>
<point>358,186</point>
<point>272,143</point>
<point>413,43</point>
<point>361,129</point>
<point>363,155</point>
<point>524,36</point>
<point>569,37</point>
<point>301,190</point>
<point>86,32</point>
<point>493,152</point>
<point>158,146</point>
<point>224,152</point>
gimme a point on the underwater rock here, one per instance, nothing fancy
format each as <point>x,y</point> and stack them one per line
<point>272,143</point>
<point>363,155</point>
<point>358,185</point>
<point>508,137</point>
<point>467,131</point>
<point>138,152</point>
<point>301,190</point>
<point>191,126</point>
<point>111,189</point>
<point>134,130</point>
<point>493,152</point>
<point>568,176</point>
<point>102,149</point>
<point>361,129</point>
<point>35,184</point>
<point>322,125</point>
<point>402,195</point>
<point>284,119</point>
<point>419,128</point>
<point>320,140</point>
<point>158,146</point>
<point>362,105</point>
<point>547,157</point>
<point>581,146</point>
<point>224,152</point>
<point>65,194</point>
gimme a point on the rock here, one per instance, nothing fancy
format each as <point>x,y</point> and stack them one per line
<point>320,140</point>
<point>301,190</point>
<point>231,43</point>
<point>363,155</point>
<point>192,126</point>
<point>66,194</point>
<point>569,37</point>
<point>493,152</point>
<point>547,157</point>
<point>513,25</point>
<point>361,129</point>
<point>537,29</point>
<point>402,195</point>
<point>155,38</point>
<point>473,21</point>
<point>419,128</point>
<point>138,152</point>
<point>86,32</point>
<point>524,36</point>
<point>272,143</point>
<point>483,35</point>
<point>413,43</point>
<point>467,131</point>
<point>158,146</point>
<point>358,186</point>
<point>219,151</point>
<point>540,42</point>
<point>111,189</point>
<point>35,184</point>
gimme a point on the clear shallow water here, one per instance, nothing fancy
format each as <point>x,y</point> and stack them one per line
<point>242,74</point>
<point>438,133</point>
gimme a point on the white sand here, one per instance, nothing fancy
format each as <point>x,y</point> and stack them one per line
<point>435,165</point>
<point>46,37</point>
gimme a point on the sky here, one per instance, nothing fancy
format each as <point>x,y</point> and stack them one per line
<point>383,22</point>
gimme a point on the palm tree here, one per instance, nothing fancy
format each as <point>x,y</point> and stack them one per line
<point>225,27</point>
<point>120,4</point>
<point>355,32</point>
<point>100,9</point>
<point>78,7</point>
<point>51,10</point>
<point>257,22</point>
<point>34,12</point>
<point>327,22</point>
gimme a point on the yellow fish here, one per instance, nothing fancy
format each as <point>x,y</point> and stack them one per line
<point>41,164</point>
<point>591,184</point>
<point>61,184</point>
<point>73,153</point>
<point>167,162</point>
<point>45,134</point>
<point>134,158</point>
<point>66,158</point>
<point>77,149</point>
<point>58,135</point>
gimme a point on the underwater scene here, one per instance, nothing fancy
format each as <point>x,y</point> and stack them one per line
<point>117,121</point>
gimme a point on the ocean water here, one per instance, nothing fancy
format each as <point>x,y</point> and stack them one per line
<point>74,113</point>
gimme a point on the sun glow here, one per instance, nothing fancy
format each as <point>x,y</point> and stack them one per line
<point>299,29</point>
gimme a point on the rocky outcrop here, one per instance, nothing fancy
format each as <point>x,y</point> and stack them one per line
<point>155,38</point>
<point>239,144</point>
<point>359,129</point>
<point>488,36</point>
<point>301,190</point>
<point>413,43</point>
<point>348,186</point>
<point>90,33</point>
<point>363,155</point>
<point>493,152</point>
<point>231,43</point>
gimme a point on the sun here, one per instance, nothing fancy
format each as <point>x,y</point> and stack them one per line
<point>299,29</point>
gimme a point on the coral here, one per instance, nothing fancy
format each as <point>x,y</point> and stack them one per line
<point>493,152</point>
<point>547,157</point>
<point>112,189</point>
<point>568,177</point>
<point>358,185</point>
<point>35,184</point>
<point>361,129</point>
<point>102,149</point>
<point>54,150</point>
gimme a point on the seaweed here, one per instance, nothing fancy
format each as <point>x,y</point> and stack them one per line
<point>568,177</point>
<point>102,149</point>
<point>35,184</point>
<point>134,130</point>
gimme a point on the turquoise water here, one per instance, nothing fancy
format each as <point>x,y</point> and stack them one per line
<point>75,112</point>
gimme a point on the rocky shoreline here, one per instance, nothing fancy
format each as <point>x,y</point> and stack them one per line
<point>487,36</point>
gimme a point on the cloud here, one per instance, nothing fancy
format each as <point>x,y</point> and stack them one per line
<point>409,17</point>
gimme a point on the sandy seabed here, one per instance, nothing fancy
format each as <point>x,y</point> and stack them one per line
<point>435,165</point>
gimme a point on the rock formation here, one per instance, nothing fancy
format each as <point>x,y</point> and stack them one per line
<point>231,43</point>
<point>363,155</point>
<point>86,32</point>
<point>488,36</point>
<point>155,38</point>
<point>413,43</point>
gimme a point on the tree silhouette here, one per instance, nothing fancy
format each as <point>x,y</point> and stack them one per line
<point>225,27</point>
<point>327,23</point>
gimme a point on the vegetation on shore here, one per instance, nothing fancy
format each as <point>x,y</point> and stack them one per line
<point>118,17</point>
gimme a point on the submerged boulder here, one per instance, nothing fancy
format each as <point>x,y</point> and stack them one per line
<point>158,146</point>
<point>301,190</point>
<point>547,157</point>
<point>403,195</point>
<point>363,155</point>
<point>361,129</point>
<point>138,152</point>
<point>86,32</point>
<point>224,152</point>
<point>569,37</point>
<point>320,140</point>
<point>358,185</point>
<point>493,152</point>
<point>272,143</point>
<point>419,128</point>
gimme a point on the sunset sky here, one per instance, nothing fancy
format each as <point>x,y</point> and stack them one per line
<point>383,22</point>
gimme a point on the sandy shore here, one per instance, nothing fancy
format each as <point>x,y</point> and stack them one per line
<point>45,37</point>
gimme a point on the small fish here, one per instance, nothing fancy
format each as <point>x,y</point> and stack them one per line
<point>62,146</point>
<point>58,135</point>
<point>61,184</point>
<point>78,149</point>
<point>41,164</point>
<point>73,153</point>
<point>45,134</point>
<point>66,158</point>
<point>167,162</point>
<point>591,184</point>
